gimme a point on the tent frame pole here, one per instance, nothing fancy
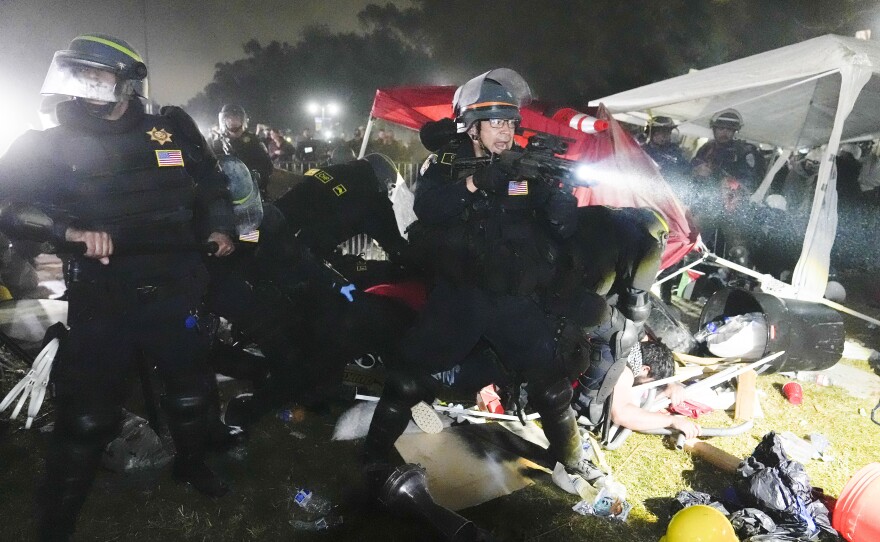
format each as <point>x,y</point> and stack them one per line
<point>366,140</point>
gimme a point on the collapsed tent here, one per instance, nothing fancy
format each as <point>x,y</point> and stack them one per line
<point>813,93</point>
<point>624,175</point>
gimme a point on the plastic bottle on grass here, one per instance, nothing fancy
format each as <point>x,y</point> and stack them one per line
<point>820,379</point>
<point>310,502</point>
<point>320,524</point>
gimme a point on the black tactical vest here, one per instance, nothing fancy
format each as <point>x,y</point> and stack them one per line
<point>133,185</point>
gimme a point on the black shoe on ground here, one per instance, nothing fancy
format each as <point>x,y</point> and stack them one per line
<point>240,412</point>
<point>222,436</point>
<point>202,478</point>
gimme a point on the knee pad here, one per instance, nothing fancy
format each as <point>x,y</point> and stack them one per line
<point>635,305</point>
<point>550,397</point>
<point>625,339</point>
<point>185,405</point>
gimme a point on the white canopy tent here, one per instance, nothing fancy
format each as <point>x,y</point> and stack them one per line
<point>810,94</point>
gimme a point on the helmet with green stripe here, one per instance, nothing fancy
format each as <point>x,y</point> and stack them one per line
<point>72,72</point>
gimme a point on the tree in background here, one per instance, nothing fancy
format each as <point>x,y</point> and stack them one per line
<point>274,83</point>
<point>569,51</point>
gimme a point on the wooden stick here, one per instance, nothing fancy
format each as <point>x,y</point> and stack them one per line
<point>745,395</point>
<point>714,456</point>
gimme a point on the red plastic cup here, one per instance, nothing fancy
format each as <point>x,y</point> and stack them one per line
<point>793,392</point>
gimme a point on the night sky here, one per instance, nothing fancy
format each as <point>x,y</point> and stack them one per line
<point>184,39</point>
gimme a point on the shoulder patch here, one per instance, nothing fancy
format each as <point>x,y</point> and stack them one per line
<point>750,159</point>
<point>447,158</point>
<point>320,174</point>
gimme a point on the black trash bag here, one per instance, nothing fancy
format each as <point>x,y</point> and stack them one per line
<point>771,538</point>
<point>685,499</point>
<point>750,522</point>
<point>781,488</point>
<point>137,447</point>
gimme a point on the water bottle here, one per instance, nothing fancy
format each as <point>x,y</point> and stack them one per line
<point>709,329</point>
<point>820,379</point>
<point>311,503</point>
<point>320,524</point>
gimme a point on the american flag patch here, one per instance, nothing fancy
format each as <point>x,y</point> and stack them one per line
<point>169,158</point>
<point>252,237</point>
<point>518,188</point>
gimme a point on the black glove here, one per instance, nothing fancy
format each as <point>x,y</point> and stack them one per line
<point>434,135</point>
<point>562,213</point>
<point>492,179</point>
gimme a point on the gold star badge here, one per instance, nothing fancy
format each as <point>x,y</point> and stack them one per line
<point>159,136</point>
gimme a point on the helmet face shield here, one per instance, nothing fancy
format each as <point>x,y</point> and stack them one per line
<point>97,67</point>
<point>728,119</point>
<point>496,94</point>
<point>245,195</point>
<point>83,79</point>
<point>232,118</point>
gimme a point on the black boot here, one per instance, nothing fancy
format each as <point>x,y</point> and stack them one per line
<point>220,435</point>
<point>240,412</point>
<point>390,419</point>
<point>71,465</point>
<point>194,471</point>
<point>187,420</point>
<point>560,427</point>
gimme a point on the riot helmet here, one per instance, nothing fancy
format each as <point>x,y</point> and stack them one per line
<point>245,194</point>
<point>661,123</point>
<point>664,126</point>
<point>342,154</point>
<point>385,170</point>
<point>496,94</point>
<point>728,118</point>
<point>232,112</point>
<point>73,70</point>
<point>809,164</point>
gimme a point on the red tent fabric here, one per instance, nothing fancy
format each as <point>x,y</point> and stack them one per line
<point>624,175</point>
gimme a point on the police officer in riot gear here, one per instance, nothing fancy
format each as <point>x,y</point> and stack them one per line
<point>233,138</point>
<point>726,156</point>
<point>109,175</point>
<point>666,154</point>
<point>601,299</point>
<point>491,235</point>
<point>325,329</point>
<point>336,202</point>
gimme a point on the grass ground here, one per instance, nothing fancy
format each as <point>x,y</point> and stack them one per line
<point>282,456</point>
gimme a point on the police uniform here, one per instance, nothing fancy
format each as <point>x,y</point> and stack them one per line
<point>331,204</point>
<point>249,149</point>
<point>298,326</point>
<point>670,159</point>
<point>142,179</point>
<point>493,251</point>
<point>735,158</point>
<point>614,256</point>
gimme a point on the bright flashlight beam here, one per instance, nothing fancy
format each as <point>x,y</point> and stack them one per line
<point>332,109</point>
<point>13,125</point>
